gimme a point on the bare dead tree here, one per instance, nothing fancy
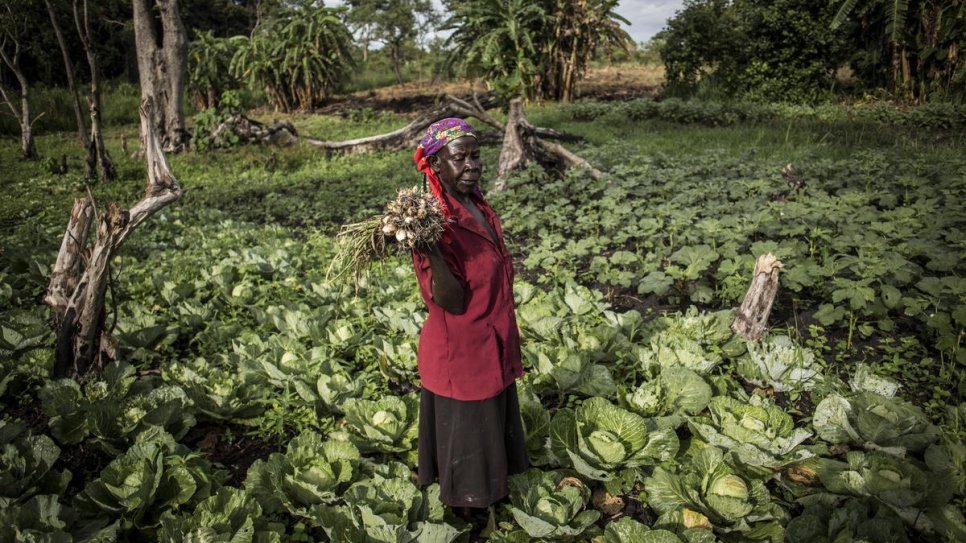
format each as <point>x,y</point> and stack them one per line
<point>11,58</point>
<point>91,159</point>
<point>162,52</point>
<point>79,280</point>
<point>96,146</point>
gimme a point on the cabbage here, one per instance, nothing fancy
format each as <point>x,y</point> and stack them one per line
<point>919,497</point>
<point>550,505</point>
<point>709,486</point>
<point>386,425</point>
<point>779,364</point>
<point>601,439</point>
<point>387,511</point>
<point>27,465</point>
<point>669,398</point>
<point>230,515</point>
<point>311,472</point>
<point>757,431</point>
<point>873,421</point>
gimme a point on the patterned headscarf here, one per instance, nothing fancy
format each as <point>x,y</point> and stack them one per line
<point>437,136</point>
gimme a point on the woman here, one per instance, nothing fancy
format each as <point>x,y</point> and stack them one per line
<point>470,434</point>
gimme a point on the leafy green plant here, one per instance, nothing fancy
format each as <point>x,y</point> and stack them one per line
<point>115,408</point>
<point>38,519</point>
<point>310,472</point>
<point>154,476</point>
<point>708,485</point>
<point>918,497</point>
<point>230,514</point>
<point>756,431</point>
<point>604,442</point>
<point>386,425</point>
<point>390,511</point>
<point>27,465</point>
<point>667,399</point>
<point>298,57</point>
<point>779,364</point>
<point>550,506</point>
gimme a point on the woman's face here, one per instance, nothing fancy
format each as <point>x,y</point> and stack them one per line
<point>458,166</point>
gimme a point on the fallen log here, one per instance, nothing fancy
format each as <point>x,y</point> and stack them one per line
<point>403,138</point>
<point>751,321</point>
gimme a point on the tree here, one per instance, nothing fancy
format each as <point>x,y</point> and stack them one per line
<point>921,38</point>
<point>774,50</point>
<point>209,62</point>
<point>298,57</point>
<point>14,28</point>
<point>395,23</point>
<point>532,49</point>
<point>162,51</point>
<point>96,146</point>
<point>79,280</point>
<point>91,159</point>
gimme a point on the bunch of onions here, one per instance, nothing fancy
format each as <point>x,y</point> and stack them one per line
<point>412,221</point>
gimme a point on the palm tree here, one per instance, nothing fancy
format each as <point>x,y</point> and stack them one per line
<point>298,57</point>
<point>532,49</point>
<point>923,38</point>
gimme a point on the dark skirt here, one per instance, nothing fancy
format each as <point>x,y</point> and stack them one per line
<point>471,447</point>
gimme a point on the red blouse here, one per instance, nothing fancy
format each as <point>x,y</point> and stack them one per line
<point>472,356</point>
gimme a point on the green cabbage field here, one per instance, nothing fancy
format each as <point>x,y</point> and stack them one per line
<point>253,400</point>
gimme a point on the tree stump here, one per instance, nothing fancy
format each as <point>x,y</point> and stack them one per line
<point>752,318</point>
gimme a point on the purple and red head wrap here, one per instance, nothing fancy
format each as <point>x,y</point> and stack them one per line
<point>437,136</point>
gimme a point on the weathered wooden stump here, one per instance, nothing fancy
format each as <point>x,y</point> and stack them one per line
<point>752,318</point>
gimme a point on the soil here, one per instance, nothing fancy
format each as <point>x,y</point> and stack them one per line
<point>604,83</point>
<point>235,455</point>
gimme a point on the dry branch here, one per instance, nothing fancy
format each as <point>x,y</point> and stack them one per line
<point>751,321</point>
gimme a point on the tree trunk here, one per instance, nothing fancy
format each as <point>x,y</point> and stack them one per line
<point>523,143</point>
<point>394,55</point>
<point>28,150</point>
<point>77,296</point>
<point>162,68</point>
<point>751,321</point>
<point>95,147</point>
<point>72,88</point>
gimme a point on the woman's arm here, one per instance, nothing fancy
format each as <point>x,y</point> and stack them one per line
<point>447,290</point>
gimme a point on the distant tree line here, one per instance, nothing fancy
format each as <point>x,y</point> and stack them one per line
<point>791,49</point>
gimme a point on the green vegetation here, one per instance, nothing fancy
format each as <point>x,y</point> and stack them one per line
<point>231,339</point>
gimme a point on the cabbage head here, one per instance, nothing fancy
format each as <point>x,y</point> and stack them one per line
<point>154,475</point>
<point>921,498</point>
<point>873,421</point>
<point>779,364</point>
<point>708,485</point>
<point>311,472</point>
<point>667,400</point>
<point>550,505</point>
<point>27,465</point>
<point>230,515</point>
<point>626,529</point>
<point>601,439</point>
<point>386,511</point>
<point>386,425</point>
<point>758,432</point>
